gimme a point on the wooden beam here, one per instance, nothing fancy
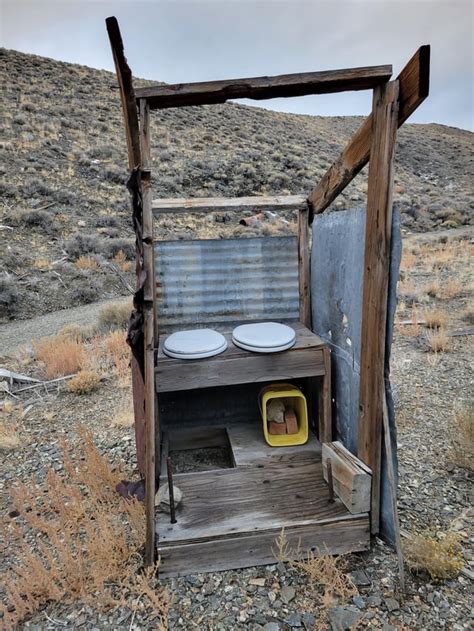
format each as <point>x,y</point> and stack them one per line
<point>325,401</point>
<point>304,278</point>
<point>151,466</point>
<point>301,84</point>
<point>127,94</point>
<point>414,88</point>
<point>376,272</point>
<point>228,204</point>
<point>351,477</point>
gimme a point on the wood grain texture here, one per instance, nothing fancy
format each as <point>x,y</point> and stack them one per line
<point>351,477</point>
<point>289,85</point>
<point>414,88</point>
<point>325,400</point>
<point>232,552</point>
<point>127,94</point>
<point>304,268</point>
<point>227,204</point>
<point>376,272</point>
<point>236,365</point>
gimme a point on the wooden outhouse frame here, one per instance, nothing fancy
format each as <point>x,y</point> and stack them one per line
<point>393,102</point>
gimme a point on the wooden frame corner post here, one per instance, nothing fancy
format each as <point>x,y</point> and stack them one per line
<point>375,293</point>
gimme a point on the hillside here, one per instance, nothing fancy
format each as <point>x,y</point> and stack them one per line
<point>65,227</point>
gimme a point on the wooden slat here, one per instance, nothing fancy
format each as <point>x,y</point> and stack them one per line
<point>414,88</point>
<point>235,365</point>
<point>212,555</point>
<point>351,478</point>
<point>325,401</point>
<point>151,419</point>
<point>304,279</point>
<point>376,272</point>
<point>227,204</point>
<point>127,94</point>
<point>177,95</point>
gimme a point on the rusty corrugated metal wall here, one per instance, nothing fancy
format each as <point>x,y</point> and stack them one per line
<point>223,281</point>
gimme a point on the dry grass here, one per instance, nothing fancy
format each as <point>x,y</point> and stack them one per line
<point>411,328</point>
<point>435,318</point>
<point>461,435</point>
<point>114,316</point>
<point>123,415</point>
<point>42,264</point>
<point>433,288</point>
<point>119,352</point>
<point>439,556</point>
<point>438,341</point>
<point>120,260</point>
<point>78,332</point>
<point>108,354</point>
<point>84,382</point>
<point>10,413</point>
<point>86,262</point>
<point>75,540</point>
<point>326,582</point>
<point>408,261</point>
<point>60,355</point>
<point>452,289</point>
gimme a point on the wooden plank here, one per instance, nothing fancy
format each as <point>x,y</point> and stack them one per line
<point>197,438</point>
<point>127,94</point>
<point>249,448</point>
<point>414,88</point>
<point>301,84</point>
<point>249,499</point>
<point>333,537</point>
<point>351,478</point>
<point>220,370</point>
<point>229,204</point>
<point>376,272</point>
<point>304,273</point>
<point>325,401</point>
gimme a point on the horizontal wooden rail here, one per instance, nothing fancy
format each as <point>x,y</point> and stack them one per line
<point>227,204</point>
<point>176,95</point>
<point>414,88</point>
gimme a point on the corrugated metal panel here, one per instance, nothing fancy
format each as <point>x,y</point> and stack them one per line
<point>226,280</point>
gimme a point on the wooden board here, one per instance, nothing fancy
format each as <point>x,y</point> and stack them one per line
<point>348,534</point>
<point>207,92</point>
<point>414,88</point>
<point>236,365</point>
<point>351,477</point>
<point>228,204</point>
<point>249,448</point>
<point>304,268</point>
<point>376,272</point>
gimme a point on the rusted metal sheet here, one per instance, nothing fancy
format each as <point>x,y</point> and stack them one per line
<point>222,281</point>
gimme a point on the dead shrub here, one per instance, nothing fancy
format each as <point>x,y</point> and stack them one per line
<point>76,540</point>
<point>327,581</point>
<point>439,556</point>
<point>438,341</point>
<point>452,289</point>
<point>461,435</point>
<point>119,352</point>
<point>124,415</point>
<point>433,288</point>
<point>60,355</point>
<point>121,261</point>
<point>84,382</point>
<point>10,414</point>
<point>78,332</point>
<point>114,315</point>
<point>410,327</point>
<point>86,262</point>
<point>435,318</point>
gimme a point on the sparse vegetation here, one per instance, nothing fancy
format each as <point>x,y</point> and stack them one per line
<point>440,556</point>
<point>60,355</point>
<point>461,435</point>
<point>84,382</point>
<point>435,318</point>
<point>88,542</point>
<point>114,316</point>
<point>438,341</point>
<point>86,262</point>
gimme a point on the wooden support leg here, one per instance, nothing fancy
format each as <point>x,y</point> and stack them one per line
<point>324,401</point>
<point>376,272</point>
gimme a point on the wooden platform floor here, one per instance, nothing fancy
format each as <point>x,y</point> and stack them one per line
<point>231,518</point>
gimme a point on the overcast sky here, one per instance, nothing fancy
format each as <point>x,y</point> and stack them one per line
<point>199,40</point>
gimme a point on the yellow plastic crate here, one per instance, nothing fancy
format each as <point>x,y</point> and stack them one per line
<point>292,397</point>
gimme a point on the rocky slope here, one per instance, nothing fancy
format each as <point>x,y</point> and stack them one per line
<point>64,167</point>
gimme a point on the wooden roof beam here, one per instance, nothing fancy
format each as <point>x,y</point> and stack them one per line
<point>177,95</point>
<point>414,81</point>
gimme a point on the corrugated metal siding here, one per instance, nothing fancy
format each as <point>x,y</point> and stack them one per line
<point>226,280</point>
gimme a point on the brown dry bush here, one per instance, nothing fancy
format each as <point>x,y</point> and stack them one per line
<point>438,341</point>
<point>86,262</point>
<point>440,557</point>
<point>9,434</point>
<point>435,318</point>
<point>75,540</point>
<point>84,382</point>
<point>327,581</point>
<point>461,435</point>
<point>121,261</point>
<point>452,289</point>
<point>60,355</point>
<point>78,332</point>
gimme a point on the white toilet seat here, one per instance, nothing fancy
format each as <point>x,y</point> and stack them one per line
<point>264,337</point>
<point>194,344</point>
